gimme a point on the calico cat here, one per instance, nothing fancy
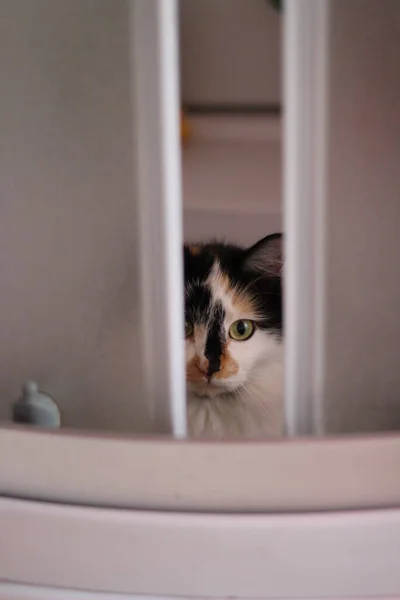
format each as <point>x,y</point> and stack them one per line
<point>233,339</point>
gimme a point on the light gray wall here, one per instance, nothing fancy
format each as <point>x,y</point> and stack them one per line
<point>363,318</point>
<point>68,259</point>
<point>230,52</point>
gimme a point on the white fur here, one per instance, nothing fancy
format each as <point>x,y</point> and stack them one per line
<point>249,403</point>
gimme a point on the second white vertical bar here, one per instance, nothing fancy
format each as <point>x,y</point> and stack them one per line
<point>306,67</point>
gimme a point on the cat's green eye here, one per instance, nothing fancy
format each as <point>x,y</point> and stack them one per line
<point>188,329</point>
<point>241,330</point>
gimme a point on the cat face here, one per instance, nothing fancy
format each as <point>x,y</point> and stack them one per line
<point>233,313</point>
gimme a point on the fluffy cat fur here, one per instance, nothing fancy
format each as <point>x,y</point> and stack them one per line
<point>234,388</point>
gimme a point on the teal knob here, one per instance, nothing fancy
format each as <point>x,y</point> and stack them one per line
<point>36,408</point>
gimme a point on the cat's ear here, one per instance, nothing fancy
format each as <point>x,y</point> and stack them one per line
<point>266,256</point>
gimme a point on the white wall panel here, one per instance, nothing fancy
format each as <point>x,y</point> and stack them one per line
<point>68,249</point>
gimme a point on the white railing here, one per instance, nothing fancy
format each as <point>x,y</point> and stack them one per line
<point>155,97</point>
<point>305,142</point>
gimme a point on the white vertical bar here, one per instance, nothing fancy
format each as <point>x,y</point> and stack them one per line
<point>156,132</point>
<point>306,67</point>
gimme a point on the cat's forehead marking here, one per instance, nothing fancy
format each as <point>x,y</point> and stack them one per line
<point>236,301</point>
<point>205,295</point>
<point>219,282</point>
